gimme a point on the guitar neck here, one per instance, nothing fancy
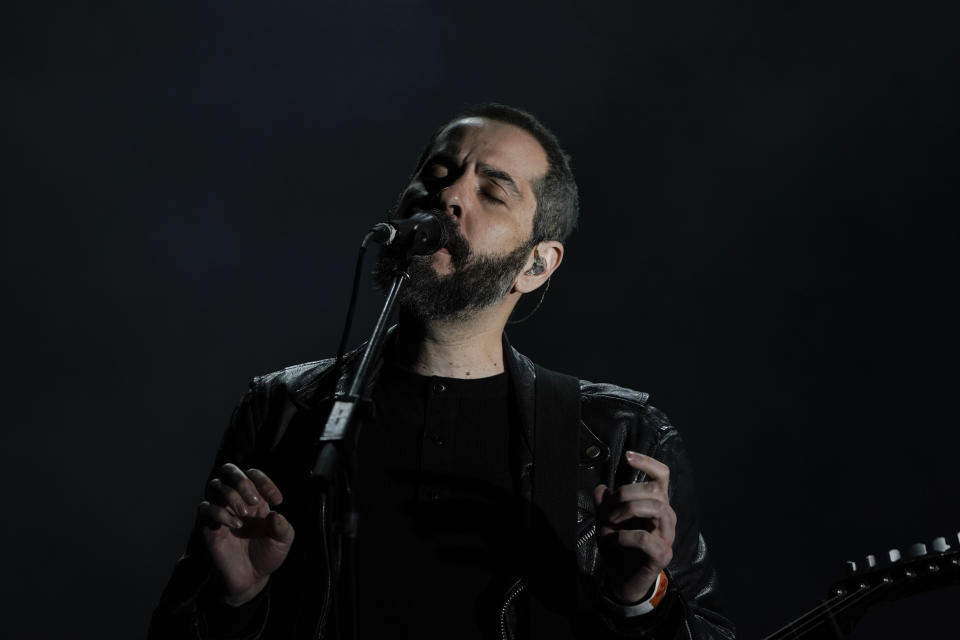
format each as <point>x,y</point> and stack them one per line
<point>853,596</point>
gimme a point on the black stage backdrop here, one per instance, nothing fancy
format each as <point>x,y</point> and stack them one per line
<point>768,246</point>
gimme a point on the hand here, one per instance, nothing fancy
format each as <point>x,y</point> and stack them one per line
<point>246,539</point>
<point>636,528</point>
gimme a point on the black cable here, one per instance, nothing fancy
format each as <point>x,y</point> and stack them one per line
<point>351,307</point>
<point>543,295</point>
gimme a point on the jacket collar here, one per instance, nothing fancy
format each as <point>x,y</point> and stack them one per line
<point>316,385</point>
<point>523,378</point>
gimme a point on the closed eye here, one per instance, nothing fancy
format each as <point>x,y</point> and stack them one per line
<point>486,195</point>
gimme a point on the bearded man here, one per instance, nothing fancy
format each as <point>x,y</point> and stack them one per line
<point>496,499</point>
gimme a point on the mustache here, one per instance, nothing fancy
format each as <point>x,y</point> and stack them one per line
<point>457,245</point>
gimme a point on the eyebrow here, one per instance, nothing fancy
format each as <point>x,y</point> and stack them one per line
<point>501,176</point>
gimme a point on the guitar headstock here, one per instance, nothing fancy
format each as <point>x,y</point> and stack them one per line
<point>896,575</point>
<point>891,578</point>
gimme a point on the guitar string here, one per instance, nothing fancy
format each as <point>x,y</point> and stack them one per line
<point>816,611</point>
<point>811,613</point>
<point>802,624</point>
<point>793,630</point>
<point>807,627</point>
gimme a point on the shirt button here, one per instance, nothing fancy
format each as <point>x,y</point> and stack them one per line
<point>439,387</point>
<point>437,440</point>
<point>593,451</point>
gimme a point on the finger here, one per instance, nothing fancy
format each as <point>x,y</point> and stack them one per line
<point>661,521</point>
<point>279,528</point>
<point>653,526</point>
<point>602,498</point>
<point>265,486</point>
<point>233,476</point>
<point>212,516</point>
<point>654,546</point>
<point>653,509</point>
<point>639,491</point>
<point>599,494</point>
<point>225,495</point>
<point>655,470</point>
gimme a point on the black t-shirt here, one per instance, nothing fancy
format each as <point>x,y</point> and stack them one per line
<point>439,516</point>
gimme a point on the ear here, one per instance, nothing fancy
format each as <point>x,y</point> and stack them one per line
<point>540,265</point>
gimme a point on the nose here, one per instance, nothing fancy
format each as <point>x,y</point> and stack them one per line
<point>454,197</point>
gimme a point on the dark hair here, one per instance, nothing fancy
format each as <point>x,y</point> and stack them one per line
<point>556,192</point>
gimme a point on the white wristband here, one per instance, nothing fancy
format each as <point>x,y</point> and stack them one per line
<point>640,608</point>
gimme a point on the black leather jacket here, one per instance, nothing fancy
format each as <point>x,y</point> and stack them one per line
<point>274,428</point>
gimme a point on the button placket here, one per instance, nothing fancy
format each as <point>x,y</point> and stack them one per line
<point>433,452</point>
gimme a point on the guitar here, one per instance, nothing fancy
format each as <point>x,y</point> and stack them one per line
<point>893,578</point>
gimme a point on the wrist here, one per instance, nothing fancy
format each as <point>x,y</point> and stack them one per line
<point>652,597</point>
<point>240,598</point>
<point>631,591</point>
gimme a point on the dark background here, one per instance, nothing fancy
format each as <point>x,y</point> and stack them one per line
<point>767,245</point>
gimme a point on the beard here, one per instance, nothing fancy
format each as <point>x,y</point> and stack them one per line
<point>476,282</point>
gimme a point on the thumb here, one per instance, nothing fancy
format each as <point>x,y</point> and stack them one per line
<point>599,492</point>
<point>279,528</point>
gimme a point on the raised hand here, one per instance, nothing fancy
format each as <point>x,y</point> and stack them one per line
<point>636,528</point>
<point>246,539</point>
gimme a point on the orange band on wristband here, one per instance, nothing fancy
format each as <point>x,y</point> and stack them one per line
<point>661,589</point>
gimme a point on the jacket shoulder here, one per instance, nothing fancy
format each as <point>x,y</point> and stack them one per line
<point>292,377</point>
<point>604,391</point>
<point>615,396</point>
<point>607,407</point>
<point>297,382</point>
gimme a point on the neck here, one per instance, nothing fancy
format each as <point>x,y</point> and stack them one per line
<point>471,348</point>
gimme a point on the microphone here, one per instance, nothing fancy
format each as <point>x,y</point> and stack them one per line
<point>420,234</point>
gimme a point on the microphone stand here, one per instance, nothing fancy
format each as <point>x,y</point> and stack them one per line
<point>344,424</point>
<point>422,233</point>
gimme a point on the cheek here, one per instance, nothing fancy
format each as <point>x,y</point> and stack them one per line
<point>509,237</point>
<point>500,237</point>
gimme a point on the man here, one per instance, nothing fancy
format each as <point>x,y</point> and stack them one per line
<point>475,519</point>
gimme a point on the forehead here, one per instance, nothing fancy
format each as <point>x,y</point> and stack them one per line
<point>499,144</point>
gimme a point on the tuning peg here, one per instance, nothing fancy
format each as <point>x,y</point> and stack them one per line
<point>917,549</point>
<point>871,561</point>
<point>851,567</point>
<point>893,555</point>
<point>940,545</point>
